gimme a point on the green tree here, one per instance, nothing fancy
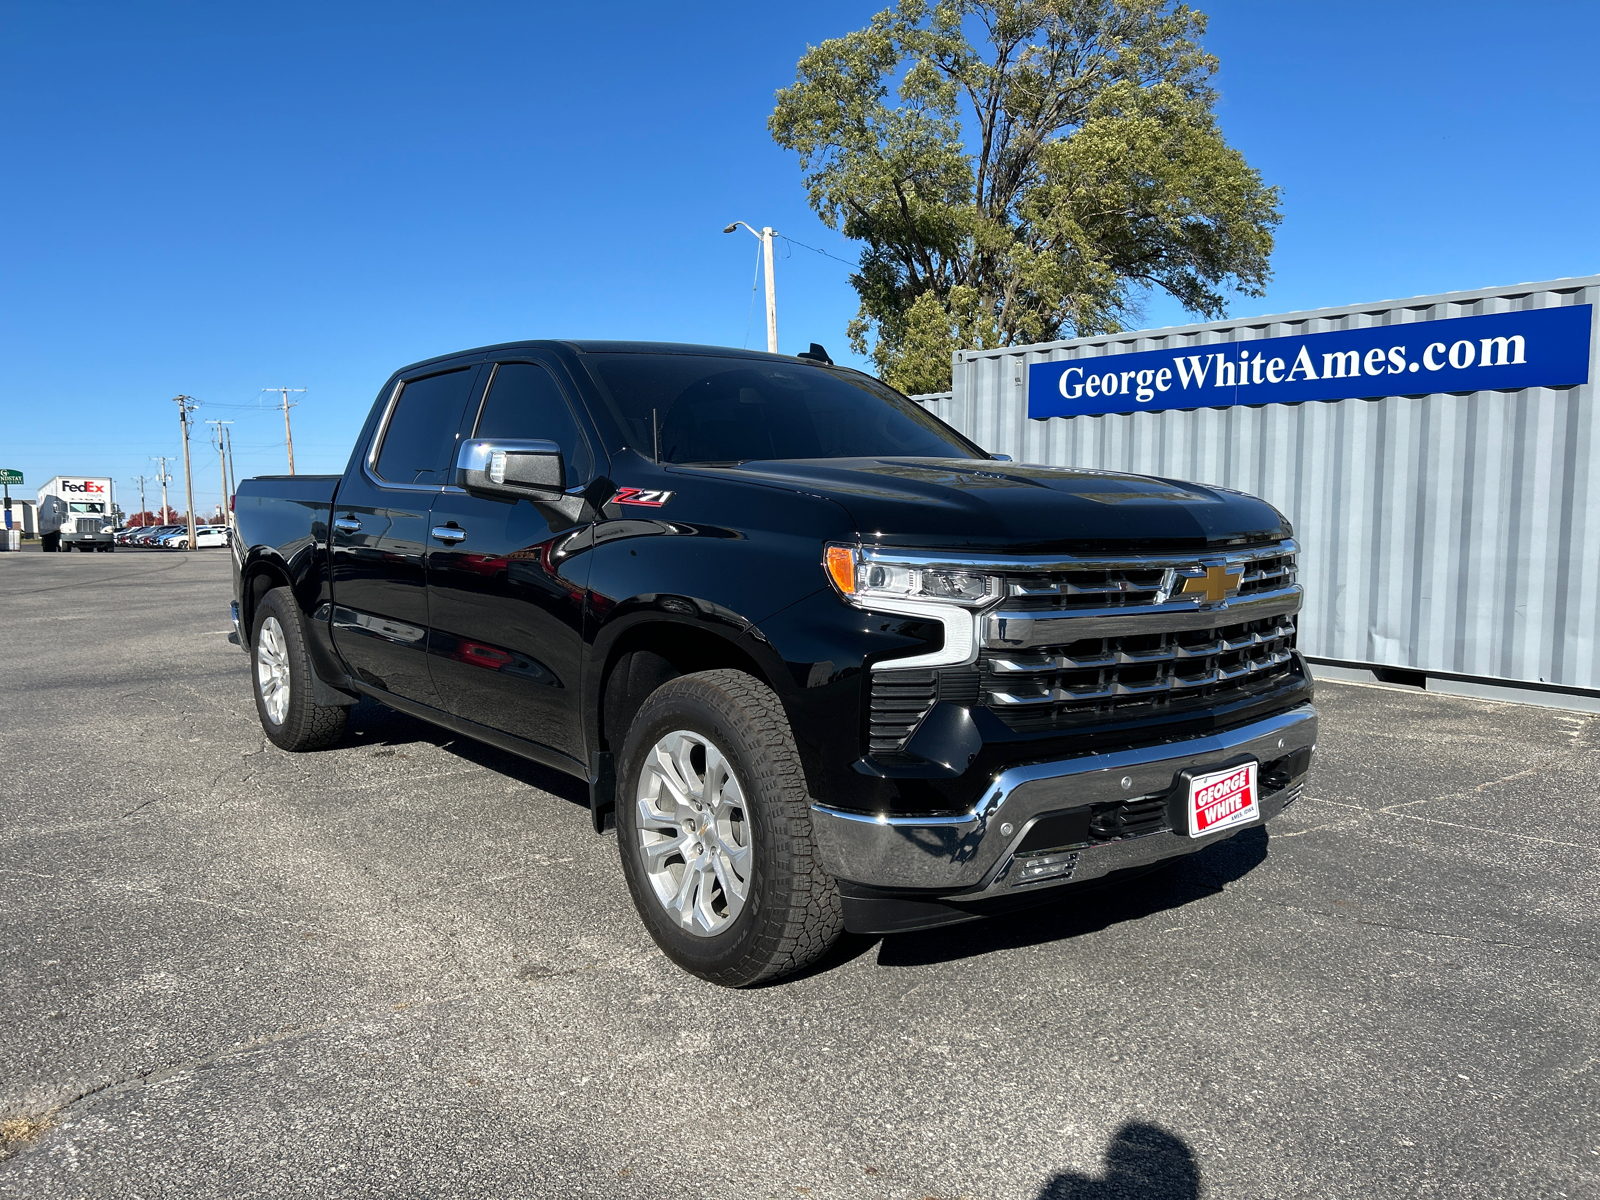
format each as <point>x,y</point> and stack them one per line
<point>1095,173</point>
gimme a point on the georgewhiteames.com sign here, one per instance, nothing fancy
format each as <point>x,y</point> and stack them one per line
<point>1546,347</point>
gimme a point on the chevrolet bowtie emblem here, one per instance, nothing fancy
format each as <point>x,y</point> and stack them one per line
<point>1217,585</point>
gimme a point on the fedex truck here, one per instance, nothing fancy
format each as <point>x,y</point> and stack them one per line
<point>82,506</point>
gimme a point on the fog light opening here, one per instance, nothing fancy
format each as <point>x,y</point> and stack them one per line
<point>1035,868</point>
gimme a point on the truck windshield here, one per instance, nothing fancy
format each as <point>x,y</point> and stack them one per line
<point>710,409</point>
<point>84,506</point>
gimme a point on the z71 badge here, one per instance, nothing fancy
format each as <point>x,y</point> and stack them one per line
<point>649,499</point>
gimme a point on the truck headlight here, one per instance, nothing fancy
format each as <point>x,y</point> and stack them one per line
<point>894,581</point>
<point>864,575</point>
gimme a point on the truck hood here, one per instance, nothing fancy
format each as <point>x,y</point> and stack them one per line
<point>980,504</point>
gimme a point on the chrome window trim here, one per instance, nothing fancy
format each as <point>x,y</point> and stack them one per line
<point>381,432</point>
<point>369,464</point>
<point>483,400</point>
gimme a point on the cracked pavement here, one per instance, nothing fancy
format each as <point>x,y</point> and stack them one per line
<point>406,966</point>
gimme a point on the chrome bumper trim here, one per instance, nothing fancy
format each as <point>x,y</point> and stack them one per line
<point>970,853</point>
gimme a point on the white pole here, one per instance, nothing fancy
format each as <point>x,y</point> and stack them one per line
<point>772,294</point>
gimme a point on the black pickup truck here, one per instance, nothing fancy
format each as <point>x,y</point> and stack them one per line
<point>833,666</point>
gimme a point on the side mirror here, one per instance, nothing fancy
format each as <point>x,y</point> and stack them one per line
<point>1000,457</point>
<point>511,468</point>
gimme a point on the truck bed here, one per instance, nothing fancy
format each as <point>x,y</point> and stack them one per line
<point>280,511</point>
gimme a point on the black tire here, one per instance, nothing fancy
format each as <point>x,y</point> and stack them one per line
<point>304,725</point>
<point>791,915</point>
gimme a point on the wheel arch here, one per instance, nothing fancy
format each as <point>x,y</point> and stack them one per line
<point>649,653</point>
<point>261,574</point>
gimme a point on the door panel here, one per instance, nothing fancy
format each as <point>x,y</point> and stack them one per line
<point>506,590</point>
<point>380,612</point>
<point>379,537</point>
<point>506,605</point>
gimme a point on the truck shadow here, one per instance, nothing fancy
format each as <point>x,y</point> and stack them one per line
<point>1087,910</point>
<point>381,728</point>
<point>1143,1162</point>
<point>1079,911</point>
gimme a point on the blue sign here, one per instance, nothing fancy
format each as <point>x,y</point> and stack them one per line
<point>1543,347</point>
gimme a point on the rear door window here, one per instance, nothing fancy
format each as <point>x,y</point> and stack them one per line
<point>421,431</point>
<point>525,401</point>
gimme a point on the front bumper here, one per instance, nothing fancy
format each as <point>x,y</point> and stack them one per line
<point>974,856</point>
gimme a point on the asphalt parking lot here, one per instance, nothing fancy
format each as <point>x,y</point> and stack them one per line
<point>406,966</point>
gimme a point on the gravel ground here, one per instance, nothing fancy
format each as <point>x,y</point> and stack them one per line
<point>406,966</point>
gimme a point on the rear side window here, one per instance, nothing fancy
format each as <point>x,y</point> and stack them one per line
<point>421,433</point>
<point>525,401</point>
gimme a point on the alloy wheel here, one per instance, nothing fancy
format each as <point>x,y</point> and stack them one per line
<point>694,833</point>
<point>272,670</point>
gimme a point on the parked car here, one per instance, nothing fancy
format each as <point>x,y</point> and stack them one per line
<point>833,666</point>
<point>149,536</point>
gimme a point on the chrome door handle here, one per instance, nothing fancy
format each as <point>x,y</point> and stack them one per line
<point>449,533</point>
<point>347,525</point>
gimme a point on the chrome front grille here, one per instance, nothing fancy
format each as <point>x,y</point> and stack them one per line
<point>1105,677</point>
<point>1070,588</point>
<point>1079,642</point>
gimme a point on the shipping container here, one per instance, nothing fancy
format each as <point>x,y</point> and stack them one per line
<point>1451,534</point>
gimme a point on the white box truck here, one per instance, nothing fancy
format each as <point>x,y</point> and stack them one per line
<point>82,506</point>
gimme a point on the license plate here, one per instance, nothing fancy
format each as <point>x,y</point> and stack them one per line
<point>1220,799</point>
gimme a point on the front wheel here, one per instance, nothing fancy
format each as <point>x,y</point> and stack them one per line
<point>714,827</point>
<point>280,666</point>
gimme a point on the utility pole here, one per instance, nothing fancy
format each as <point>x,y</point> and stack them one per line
<point>222,462</point>
<point>186,405</point>
<point>765,238</point>
<point>163,478</point>
<point>287,436</point>
<point>142,509</point>
<point>232,474</point>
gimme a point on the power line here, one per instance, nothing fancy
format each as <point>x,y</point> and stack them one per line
<point>755,278</point>
<point>855,266</point>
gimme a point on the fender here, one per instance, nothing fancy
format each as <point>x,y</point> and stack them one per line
<point>304,573</point>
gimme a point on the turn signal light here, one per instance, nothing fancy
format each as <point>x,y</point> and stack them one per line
<point>842,569</point>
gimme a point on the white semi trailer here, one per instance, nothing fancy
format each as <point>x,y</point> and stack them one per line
<point>83,506</point>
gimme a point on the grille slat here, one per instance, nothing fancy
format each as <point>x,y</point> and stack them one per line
<point>1101,680</point>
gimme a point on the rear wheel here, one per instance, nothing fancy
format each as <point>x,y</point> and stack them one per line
<point>280,667</point>
<point>714,828</point>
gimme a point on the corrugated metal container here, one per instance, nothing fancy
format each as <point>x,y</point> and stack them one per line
<point>1456,534</point>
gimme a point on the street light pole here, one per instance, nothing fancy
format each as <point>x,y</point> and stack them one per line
<point>765,238</point>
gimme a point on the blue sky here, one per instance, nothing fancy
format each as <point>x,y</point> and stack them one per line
<point>214,199</point>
